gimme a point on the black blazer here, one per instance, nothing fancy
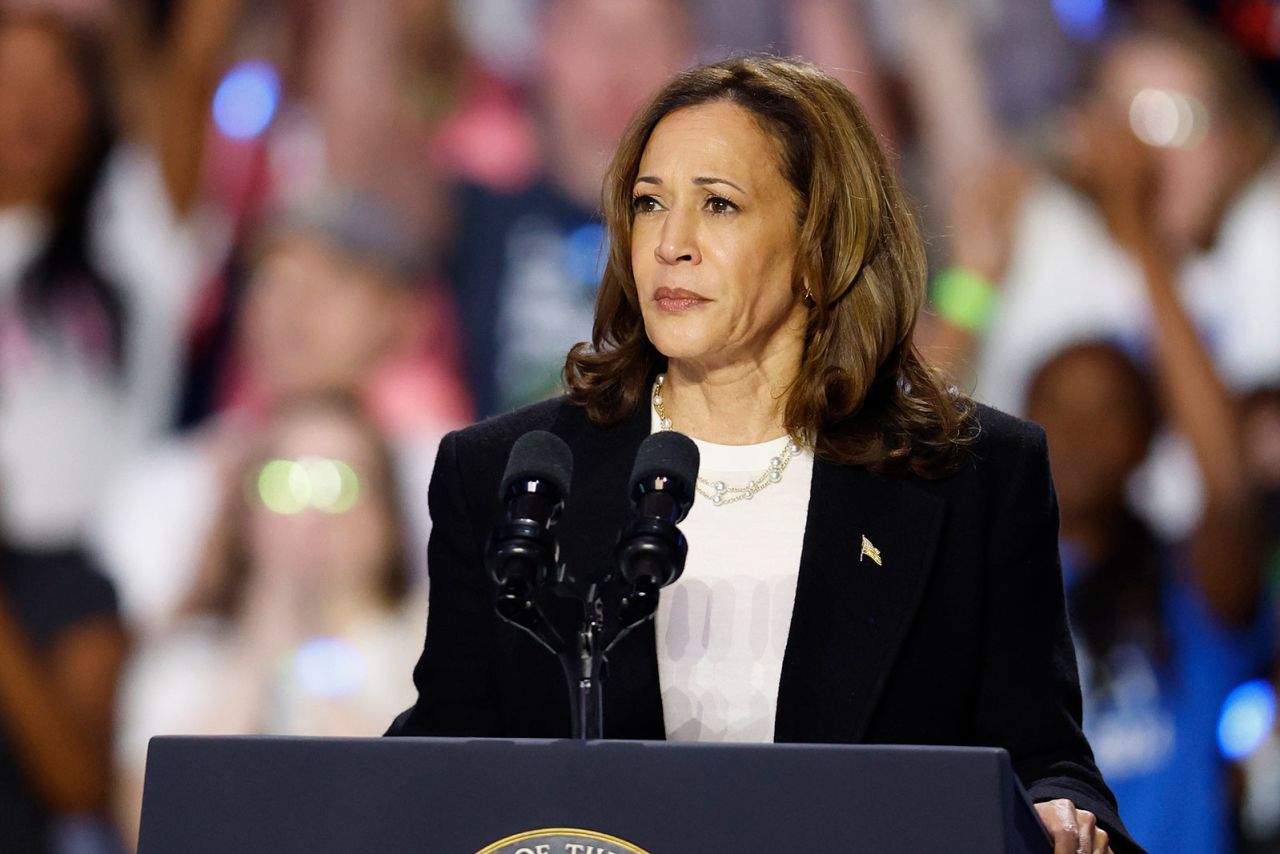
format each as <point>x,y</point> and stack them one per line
<point>960,638</point>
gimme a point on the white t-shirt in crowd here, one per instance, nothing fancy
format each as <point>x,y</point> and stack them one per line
<point>66,418</point>
<point>347,685</point>
<point>722,627</point>
<point>1069,281</point>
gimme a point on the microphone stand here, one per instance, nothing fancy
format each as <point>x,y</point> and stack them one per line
<point>583,661</point>
<point>583,672</point>
<point>587,678</point>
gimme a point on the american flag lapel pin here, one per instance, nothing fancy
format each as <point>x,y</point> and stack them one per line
<point>870,551</point>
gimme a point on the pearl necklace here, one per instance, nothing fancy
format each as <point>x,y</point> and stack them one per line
<point>719,492</point>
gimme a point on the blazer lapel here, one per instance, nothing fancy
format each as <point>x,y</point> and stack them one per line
<point>851,613</point>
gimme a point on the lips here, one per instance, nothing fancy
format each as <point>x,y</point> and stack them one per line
<point>677,299</point>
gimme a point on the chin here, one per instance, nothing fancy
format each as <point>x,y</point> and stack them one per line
<point>677,343</point>
<point>675,351</point>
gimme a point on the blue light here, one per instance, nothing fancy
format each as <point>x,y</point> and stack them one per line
<point>585,252</point>
<point>1081,18</point>
<point>1248,714</point>
<point>329,667</point>
<point>246,99</point>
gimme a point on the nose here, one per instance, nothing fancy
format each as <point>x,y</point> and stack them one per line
<point>678,240</point>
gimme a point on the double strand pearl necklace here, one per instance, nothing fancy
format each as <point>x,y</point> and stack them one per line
<point>719,492</point>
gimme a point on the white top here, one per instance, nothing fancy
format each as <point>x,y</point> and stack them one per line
<point>64,417</point>
<point>722,627</point>
<point>1068,280</point>
<point>181,684</point>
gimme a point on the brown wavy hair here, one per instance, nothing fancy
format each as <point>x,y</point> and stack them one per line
<point>863,395</point>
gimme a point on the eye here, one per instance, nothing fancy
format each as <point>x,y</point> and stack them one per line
<point>644,204</point>
<point>720,205</point>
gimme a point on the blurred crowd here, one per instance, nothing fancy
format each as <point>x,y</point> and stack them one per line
<point>257,258</point>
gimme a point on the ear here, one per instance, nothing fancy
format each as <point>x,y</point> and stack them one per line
<point>805,293</point>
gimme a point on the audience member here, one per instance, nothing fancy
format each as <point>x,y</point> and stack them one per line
<point>330,308</point>
<point>524,265</point>
<point>303,619</point>
<point>1209,171</point>
<point>1258,769</point>
<point>97,260</point>
<point>1049,258</point>
<point>1164,630</point>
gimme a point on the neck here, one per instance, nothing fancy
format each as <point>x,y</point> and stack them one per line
<point>741,404</point>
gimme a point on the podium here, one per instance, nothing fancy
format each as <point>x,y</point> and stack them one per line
<point>465,796</point>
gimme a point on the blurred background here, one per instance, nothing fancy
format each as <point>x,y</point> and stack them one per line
<point>257,258</point>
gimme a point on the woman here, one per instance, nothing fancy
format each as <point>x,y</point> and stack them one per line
<point>1165,629</point>
<point>1049,256</point>
<point>98,258</point>
<point>764,263</point>
<point>304,611</point>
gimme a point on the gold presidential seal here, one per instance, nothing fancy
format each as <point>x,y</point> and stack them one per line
<point>561,840</point>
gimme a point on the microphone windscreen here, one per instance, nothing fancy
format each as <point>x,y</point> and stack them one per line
<point>666,453</point>
<point>539,455</point>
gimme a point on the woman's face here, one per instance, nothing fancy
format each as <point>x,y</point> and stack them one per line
<point>315,321</point>
<point>1097,434</point>
<point>713,241</point>
<point>44,111</point>
<point>1191,179</point>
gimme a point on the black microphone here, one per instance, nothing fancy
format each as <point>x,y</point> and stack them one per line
<point>651,550</point>
<point>522,553</point>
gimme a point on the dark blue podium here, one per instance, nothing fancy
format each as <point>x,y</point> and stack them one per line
<point>442,796</point>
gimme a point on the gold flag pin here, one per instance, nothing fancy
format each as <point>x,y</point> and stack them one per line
<point>870,551</point>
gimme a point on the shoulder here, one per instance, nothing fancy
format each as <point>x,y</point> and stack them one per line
<point>1000,434</point>
<point>1006,469</point>
<point>1002,448</point>
<point>501,431</point>
<point>477,455</point>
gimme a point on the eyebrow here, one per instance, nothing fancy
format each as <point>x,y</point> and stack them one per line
<point>701,181</point>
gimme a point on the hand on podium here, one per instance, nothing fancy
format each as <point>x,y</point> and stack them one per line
<point>1074,831</point>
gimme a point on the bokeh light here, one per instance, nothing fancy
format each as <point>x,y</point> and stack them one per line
<point>282,487</point>
<point>291,486</point>
<point>585,254</point>
<point>329,667</point>
<point>246,99</point>
<point>1248,714</point>
<point>1083,19</point>
<point>1168,119</point>
<point>334,485</point>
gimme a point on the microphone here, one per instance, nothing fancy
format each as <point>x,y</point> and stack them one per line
<point>651,550</point>
<point>522,552</point>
